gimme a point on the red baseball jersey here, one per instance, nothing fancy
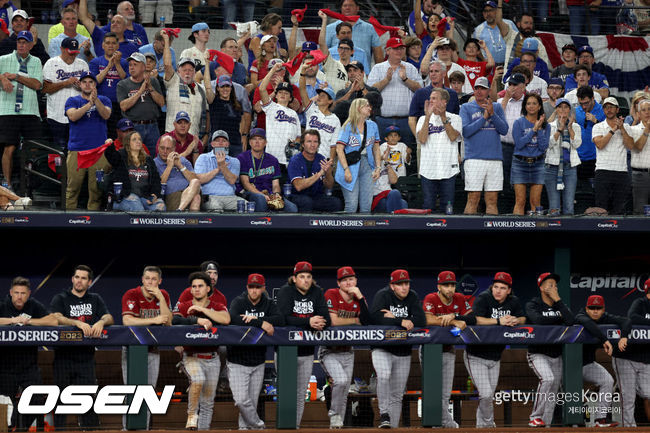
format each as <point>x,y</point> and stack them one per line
<point>135,304</point>
<point>433,305</point>
<point>186,296</point>
<point>336,304</point>
<point>182,311</point>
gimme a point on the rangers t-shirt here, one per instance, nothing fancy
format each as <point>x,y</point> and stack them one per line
<point>108,87</point>
<point>89,131</point>
<point>55,71</point>
<point>183,311</point>
<point>135,304</point>
<point>283,126</point>
<point>327,126</point>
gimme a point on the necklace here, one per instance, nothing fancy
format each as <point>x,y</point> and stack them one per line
<point>255,169</point>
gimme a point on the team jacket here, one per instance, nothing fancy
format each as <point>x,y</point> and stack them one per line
<point>296,309</point>
<point>639,314</point>
<point>264,310</point>
<point>589,350</point>
<point>486,306</point>
<point>409,308</point>
<point>539,313</point>
<point>20,358</point>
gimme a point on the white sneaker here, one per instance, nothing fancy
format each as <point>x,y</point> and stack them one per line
<point>452,424</point>
<point>336,421</point>
<point>192,422</point>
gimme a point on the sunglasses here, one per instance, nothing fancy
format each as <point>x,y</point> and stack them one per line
<point>594,308</point>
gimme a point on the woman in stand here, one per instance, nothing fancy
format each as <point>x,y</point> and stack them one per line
<point>359,157</point>
<point>531,134</point>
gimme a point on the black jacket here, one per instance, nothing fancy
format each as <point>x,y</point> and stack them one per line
<point>589,350</point>
<point>8,46</point>
<point>119,160</point>
<point>539,313</point>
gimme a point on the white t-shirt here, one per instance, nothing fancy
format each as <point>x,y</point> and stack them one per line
<point>56,71</point>
<point>397,161</point>
<point>439,155</point>
<point>640,158</point>
<point>572,97</point>
<point>282,126</point>
<point>539,86</point>
<point>455,67</point>
<point>327,126</point>
<point>614,155</point>
<point>194,54</point>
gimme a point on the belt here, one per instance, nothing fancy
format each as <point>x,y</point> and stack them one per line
<point>644,170</point>
<point>204,355</point>
<point>507,144</point>
<point>393,117</point>
<point>529,160</point>
<point>144,122</point>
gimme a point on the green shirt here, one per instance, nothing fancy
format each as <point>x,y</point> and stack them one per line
<point>9,63</point>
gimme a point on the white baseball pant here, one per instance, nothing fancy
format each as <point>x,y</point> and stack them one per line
<point>599,376</point>
<point>392,375</point>
<point>338,366</point>
<point>485,375</point>
<point>305,366</point>
<point>203,376</point>
<point>549,372</point>
<point>632,376</point>
<point>246,383</point>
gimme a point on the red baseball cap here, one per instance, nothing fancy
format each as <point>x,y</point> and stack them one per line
<point>344,272</point>
<point>395,42</point>
<point>546,276</point>
<point>399,275</point>
<point>302,267</point>
<point>595,301</point>
<point>256,280</point>
<point>503,277</point>
<point>445,277</point>
<point>646,285</point>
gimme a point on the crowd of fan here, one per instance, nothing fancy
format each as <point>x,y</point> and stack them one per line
<point>286,124</point>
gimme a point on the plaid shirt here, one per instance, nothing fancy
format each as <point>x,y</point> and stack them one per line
<point>9,63</point>
<point>195,105</point>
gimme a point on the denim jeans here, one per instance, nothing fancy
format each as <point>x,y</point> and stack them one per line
<point>361,195</point>
<point>134,203</point>
<point>392,202</point>
<point>570,179</point>
<point>578,21</point>
<point>319,203</point>
<point>640,190</point>
<point>60,133</point>
<point>262,206</point>
<point>230,11</point>
<point>432,189</point>
<point>150,135</point>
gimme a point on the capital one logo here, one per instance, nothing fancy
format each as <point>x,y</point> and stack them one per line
<point>80,399</point>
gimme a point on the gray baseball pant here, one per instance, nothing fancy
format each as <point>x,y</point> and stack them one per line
<point>549,372</point>
<point>203,376</point>
<point>153,367</point>
<point>246,384</point>
<point>305,366</point>
<point>631,376</point>
<point>599,376</point>
<point>338,366</point>
<point>392,374</point>
<point>485,375</point>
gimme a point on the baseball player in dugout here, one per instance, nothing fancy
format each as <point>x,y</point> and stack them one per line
<point>593,315</point>
<point>447,308</point>
<point>302,304</point>
<point>146,305</point>
<point>201,364</point>
<point>395,305</point>
<point>75,365</point>
<point>632,367</point>
<point>211,268</point>
<point>19,364</point>
<point>495,306</point>
<point>245,365</point>
<point>546,360</point>
<point>347,306</point>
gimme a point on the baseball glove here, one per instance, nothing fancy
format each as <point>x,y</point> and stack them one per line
<point>276,202</point>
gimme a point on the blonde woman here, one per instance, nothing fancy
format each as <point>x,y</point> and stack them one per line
<point>359,157</point>
<point>137,173</point>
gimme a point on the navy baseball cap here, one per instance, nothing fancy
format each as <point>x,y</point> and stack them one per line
<point>125,124</point>
<point>67,3</point>
<point>70,44</point>
<point>257,132</point>
<point>26,36</point>
<point>586,48</point>
<point>562,101</point>
<point>284,86</point>
<point>354,64</point>
<point>491,4</point>
<point>182,115</point>
<point>516,79</point>
<point>309,46</point>
<point>87,74</point>
<point>556,81</point>
<point>392,128</point>
<point>571,47</point>
<point>329,92</point>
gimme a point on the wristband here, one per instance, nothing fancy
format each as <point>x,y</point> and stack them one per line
<point>405,79</point>
<point>183,169</point>
<point>499,321</point>
<point>611,132</point>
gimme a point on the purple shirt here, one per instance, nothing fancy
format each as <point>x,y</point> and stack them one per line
<point>260,172</point>
<point>176,181</point>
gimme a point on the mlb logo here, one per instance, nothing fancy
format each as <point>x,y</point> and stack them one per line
<point>313,222</point>
<point>614,334</point>
<point>296,335</point>
<point>488,224</point>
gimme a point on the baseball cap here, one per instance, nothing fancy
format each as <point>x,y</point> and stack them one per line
<point>399,275</point>
<point>516,79</point>
<point>445,277</point>
<point>67,3</point>
<point>184,60</point>
<point>150,55</point>
<point>570,47</point>
<point>646,285</point>
<point>344,272</point>
<point>562,101</point>
<point>309,46</point>
<point>87,74</point>
<point>19,13</point>
<point>443,42</point>
<point>596,301</point>
<point>284,86</point>
<point>256,280</point>
<point>272,63</point>
<point>210,265</point>
<point>197,27</point>
<point>471,41</point>
<point>26,36</point>
<point>610,100</point>
<point>556,81</point>
<point>347,42</point>
<point>257,132</point>
<point>329,92</point>
<point>182,115</point>
<point>224,80</point>
<point>530,45</point>
<point>395,43</point>
<point>546,276</point>
<point>354,64</point>
<point>265,38</point>
<point>138,57</point>
<point>391,128</point>
<point>125,124</point>
<point>70,44</point>
<point>586,48</point>
<point>220,133</point>
<point>503,277</point>
<point>302,267</point>
<point>482,82</point>
<point>491,4</point>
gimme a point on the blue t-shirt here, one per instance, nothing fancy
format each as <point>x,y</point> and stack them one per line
<point>176,181</point>
<point>587,151</point>
<point>126,47</point>
<point>89,132</point>
<point>541,69</point>
<point>596,81</point>
<point>300,168</point>
<point>420,96</point>
<point>364,36</point>
<point>138,35</point>
<point>261,172</point>
<point>108,87</point>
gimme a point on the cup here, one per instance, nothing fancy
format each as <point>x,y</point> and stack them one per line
<point>99,175</point>
<point>646,210</point>
<point>117,188</point>
<point>163,188</point>
<point>286,189</point>
<point>241,206</point>
<point>250,207</point>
